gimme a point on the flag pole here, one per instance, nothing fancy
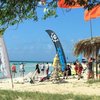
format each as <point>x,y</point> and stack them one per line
<point>11,78</point>
<point>91,29</point>
<point>95,50</point>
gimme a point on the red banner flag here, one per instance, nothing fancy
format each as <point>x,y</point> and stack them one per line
<point>93,13</point>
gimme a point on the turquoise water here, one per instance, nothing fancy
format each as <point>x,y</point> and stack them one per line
<point>29,67</point>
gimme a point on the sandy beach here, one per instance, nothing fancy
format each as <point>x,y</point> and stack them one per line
<point>68,86</point>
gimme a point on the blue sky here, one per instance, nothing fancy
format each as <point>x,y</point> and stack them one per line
<point>29,41</point>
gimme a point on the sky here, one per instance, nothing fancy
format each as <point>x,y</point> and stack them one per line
<point>29,42</point>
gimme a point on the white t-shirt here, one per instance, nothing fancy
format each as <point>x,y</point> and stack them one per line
<point>21,67</point>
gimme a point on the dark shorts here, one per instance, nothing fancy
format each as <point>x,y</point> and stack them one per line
<point>42,69</point>
<point>21,70</point>
<point>14,71</point>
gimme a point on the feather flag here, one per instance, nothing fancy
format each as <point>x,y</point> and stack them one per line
<point>4,65</point>
<point>4,61</point>
<point>58,47</point>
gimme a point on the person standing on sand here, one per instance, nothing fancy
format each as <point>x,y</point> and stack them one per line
<point>90,68</point>
<point>42,68</point>
<point>65,73</point>
<point>37,69</point>
<point>22,69</point>
<point>76,67</point>
<point>47,68</point>
<point>13,69</point>
<point>69,69</point>
<point>79,70</point>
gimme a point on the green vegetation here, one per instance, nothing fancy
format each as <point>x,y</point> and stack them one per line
<point>14,95</point>
<point>93,81</point>
<point>15,11</point>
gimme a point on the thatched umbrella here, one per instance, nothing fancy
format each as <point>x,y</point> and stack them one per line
<point>88,47</point>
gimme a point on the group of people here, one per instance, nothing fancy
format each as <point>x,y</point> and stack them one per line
<point>14,70</point>
<point>90,68</point>
<point>42,68</point>
<point>78,68</point>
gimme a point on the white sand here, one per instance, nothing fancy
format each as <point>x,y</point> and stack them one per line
<point>69,86</point>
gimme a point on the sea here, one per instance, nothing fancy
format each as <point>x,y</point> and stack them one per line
<point>28,65</point>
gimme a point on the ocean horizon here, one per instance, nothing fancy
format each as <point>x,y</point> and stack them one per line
<point>30,61</point>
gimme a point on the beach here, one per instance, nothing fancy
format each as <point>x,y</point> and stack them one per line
<point>67,86</point>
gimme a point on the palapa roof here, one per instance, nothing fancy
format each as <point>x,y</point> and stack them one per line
<point>87,46</point>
